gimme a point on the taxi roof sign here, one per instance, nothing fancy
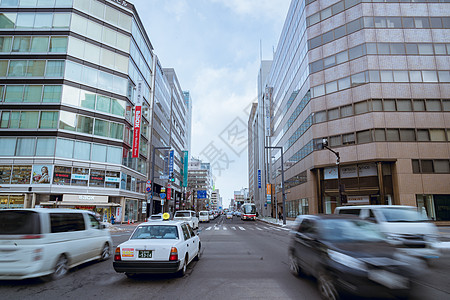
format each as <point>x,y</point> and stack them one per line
<point>166,216</point>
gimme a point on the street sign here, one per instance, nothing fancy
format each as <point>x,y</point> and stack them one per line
<point>149,182</point>
<point>148,190</point>
<point>201,194</point>
<point>162,195</point>
<point>165,177</point>
<point>259,179</point>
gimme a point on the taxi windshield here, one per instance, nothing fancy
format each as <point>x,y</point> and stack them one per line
<point>182,214</point>
<point>155,232</point>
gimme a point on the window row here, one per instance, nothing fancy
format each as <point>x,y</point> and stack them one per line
<point>66,148</point>
<point>379,49</point>
<point>381,105</point>
<point>30,93</point>
<point>67,121</point>
<point>297,207</point>
<point>330,11</point>
<point>104,12</point>
<point>33,44</point>
<point>36,3</point>
<point>388,135</point>
<point>377,76</point>
<point>32,68</point>
<point>296,180</point>
<point>97,55</point>
<point>429,166</point>
<point>379,22</point>
<point>100,33</point>
<point>27,21</point>
<point>299,132</point>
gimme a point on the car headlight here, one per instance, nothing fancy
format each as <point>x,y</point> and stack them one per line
<point>347,261</point>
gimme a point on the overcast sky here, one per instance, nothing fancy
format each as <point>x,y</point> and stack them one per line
<point>214,47</point>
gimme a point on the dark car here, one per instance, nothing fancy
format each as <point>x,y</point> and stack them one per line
<point>348,255</point>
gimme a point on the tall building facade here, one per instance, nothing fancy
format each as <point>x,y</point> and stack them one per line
<point>76,106</point>
<point>371,79</point>
<point>199,179</point>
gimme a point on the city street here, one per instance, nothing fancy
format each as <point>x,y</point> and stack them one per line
<point>241,260</point>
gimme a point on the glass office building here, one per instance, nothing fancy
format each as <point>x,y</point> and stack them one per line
<point>372,78</point>
<point>69,70</point>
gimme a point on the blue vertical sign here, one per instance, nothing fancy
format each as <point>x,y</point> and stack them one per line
<point>171,164</point>
<point>259,179</point>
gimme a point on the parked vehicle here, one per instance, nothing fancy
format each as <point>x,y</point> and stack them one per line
<point>188,216</point>
<point>158,247</point>
<point>403,225</point>
<point>203,216</point>
<point>350,255</point>
<point>48,242</point>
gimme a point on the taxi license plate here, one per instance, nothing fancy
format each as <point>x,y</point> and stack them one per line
<point>145,254</point>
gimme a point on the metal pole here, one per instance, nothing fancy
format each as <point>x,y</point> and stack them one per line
<point>150,210</point>
<point>282,187</point>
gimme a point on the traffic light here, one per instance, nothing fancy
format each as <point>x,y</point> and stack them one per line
<point>172,179</point>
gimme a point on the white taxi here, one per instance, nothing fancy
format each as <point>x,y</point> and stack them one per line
<point>158,247</point>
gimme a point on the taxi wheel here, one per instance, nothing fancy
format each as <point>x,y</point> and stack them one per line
<point>197,257</point>
<point>293,266</point>
<point>61,268</point>
<point>183,269</point>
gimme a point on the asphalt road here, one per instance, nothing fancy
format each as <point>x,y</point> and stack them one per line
<point>240,260</point>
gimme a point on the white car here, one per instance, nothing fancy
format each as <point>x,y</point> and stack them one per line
<point>158,247</point>
<point>203,216</point>
<point>188,216</point>
<point>47,242</point>
<point>229,215</point>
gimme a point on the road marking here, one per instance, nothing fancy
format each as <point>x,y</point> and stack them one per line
<point>224,228</point>
<point>209,228</point>
<point>232,227</point>
<point>241,228</point>
<point>258,228</point>
<point>216,228</point>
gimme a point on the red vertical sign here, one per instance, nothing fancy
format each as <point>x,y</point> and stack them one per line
<point>169,194</point>
<point>137,120</point>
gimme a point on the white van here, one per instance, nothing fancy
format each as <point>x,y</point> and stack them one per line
<point>46,242</point>
<point>188,216</point>
<point>403,225</point>
<point>203,216</point>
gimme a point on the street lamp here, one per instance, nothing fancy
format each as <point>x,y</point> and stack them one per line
<point>150,210</point>
<point>338,160</point>
<point>282,182</point>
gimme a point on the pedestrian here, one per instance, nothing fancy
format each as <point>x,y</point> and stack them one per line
<point>280,216</point>
<point>112,218</point>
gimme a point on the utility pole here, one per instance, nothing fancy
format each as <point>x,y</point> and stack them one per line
<point>282,183</point>
<point>338,162</point>
<point>150,209</point>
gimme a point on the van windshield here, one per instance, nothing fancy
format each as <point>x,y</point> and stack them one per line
<point>19,222</point>
<point>182,214</point>
<point>402,214</point>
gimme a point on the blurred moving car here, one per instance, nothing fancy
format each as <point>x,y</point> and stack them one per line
<point>403,225</point>
<point>203,216</point>
<point>347,254</point>
<point>229,215</point>
<point>188,216</point>
<point>49,241</point>
<point>158,247</point>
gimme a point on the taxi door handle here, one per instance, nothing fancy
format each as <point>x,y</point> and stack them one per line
<point>187,245</point>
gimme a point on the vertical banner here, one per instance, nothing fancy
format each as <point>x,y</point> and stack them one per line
<point>169,193</point>
<point>259,179</point>
<point>137,120</point>
<point>269,189</point>
<point>185,168</point>
<point>171,164</point>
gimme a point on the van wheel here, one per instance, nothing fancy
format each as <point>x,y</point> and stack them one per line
<point>293,266</point>
<point>106,252</point>
<point>60,270</point>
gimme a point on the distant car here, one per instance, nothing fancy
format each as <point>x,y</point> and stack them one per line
<point>158,247</point>
<point>211,215</point>
<point>347,254</point>
<point>47,242</point>
<point>229,215</point>
<point>403,225</point>
<point>203,216</point>
<point>188,216</point>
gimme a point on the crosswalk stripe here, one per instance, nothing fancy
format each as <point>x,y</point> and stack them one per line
<point>224,228</point>
<point>209,228</point>
<point>241,228</point>
<point>216,228</point>
<point>258,228</point>
<point>234,228</point>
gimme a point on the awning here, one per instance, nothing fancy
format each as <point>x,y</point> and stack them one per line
<point>64,203</point>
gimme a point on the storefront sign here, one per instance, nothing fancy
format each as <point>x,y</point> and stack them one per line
<point>259,179</point>
<point>80,177</point>
<point>112,179</point>
<point>85,198</point>
<point>41,174</point>
<point>330,173</point>
<point>358,200</point>
<point>169,193</point>
<point>269,189</point>
<point>137,120</point>
<point>62,175</point>
<point>185,168</point>
<point>348,171</point>
<point>367,170</point>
